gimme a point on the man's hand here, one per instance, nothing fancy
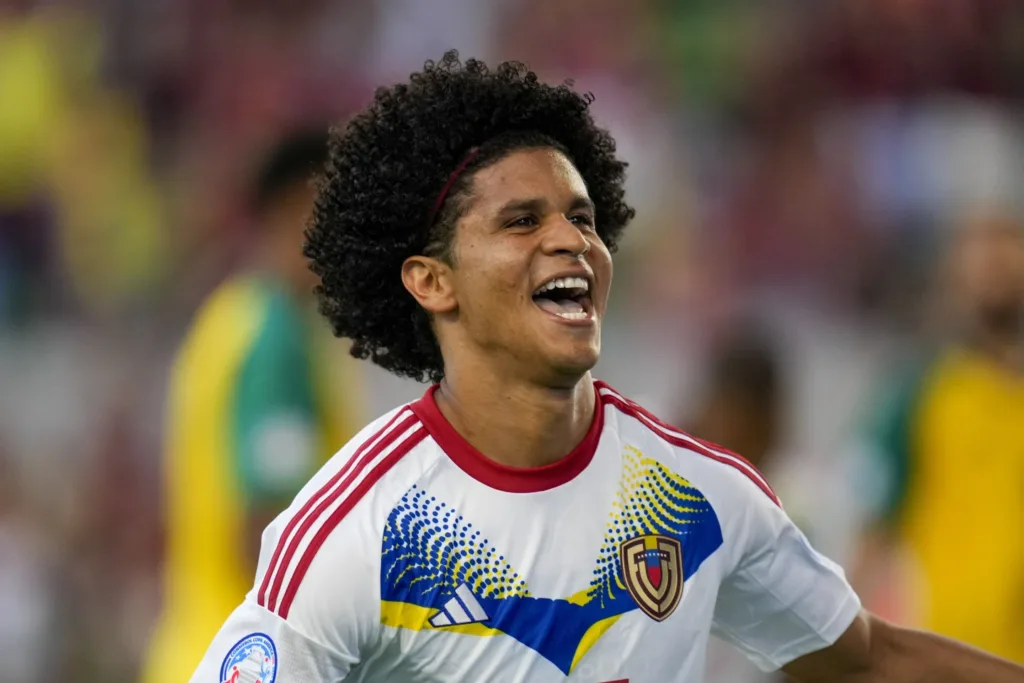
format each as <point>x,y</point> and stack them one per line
<point>874,651</point>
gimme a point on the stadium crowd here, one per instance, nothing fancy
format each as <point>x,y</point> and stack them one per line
<point>801,170</point>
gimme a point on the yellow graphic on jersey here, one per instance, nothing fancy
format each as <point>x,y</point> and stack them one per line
<point>438,573</point>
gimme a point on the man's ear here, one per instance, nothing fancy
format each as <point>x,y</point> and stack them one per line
<point>430,281</point>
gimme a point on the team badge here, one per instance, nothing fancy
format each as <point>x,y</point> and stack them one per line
<point>253,659</point>
<point>652,569</point>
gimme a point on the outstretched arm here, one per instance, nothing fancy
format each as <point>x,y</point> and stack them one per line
<point>874,651</point>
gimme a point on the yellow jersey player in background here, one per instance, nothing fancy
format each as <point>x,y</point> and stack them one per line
<point>946,450</point>
<point>255,409</point>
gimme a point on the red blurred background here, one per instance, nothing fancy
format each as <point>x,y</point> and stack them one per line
<point>798,167</point>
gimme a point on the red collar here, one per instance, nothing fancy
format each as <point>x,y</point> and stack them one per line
<point>503,477</point>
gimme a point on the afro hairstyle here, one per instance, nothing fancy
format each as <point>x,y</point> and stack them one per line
<point>387,168</point>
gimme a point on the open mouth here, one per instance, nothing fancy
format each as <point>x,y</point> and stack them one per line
<point>565,297</point>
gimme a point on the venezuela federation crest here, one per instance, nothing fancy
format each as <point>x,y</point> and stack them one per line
<point>652,569</point>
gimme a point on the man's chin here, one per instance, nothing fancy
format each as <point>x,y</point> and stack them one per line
<point>569,368</point>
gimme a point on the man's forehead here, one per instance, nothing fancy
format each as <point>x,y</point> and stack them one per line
<point>529,175</point>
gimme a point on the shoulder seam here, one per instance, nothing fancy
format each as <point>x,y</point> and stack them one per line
<point>314,521</point>
<point>681,439</point>
<point>301,633</point>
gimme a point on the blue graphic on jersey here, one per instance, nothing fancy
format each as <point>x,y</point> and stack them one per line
<point>432,558</point>
<point>253,658</point>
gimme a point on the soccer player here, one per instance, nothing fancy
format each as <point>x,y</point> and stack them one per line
<point>522,521</point>
<point>252,416</point>
<point>742,408</point>
<point>946,450</point>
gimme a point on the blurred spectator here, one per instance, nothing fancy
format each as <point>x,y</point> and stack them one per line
<point>27,589</point>
<point>115,540</point>
<point>743,401</point>
<point>944,460</point>
<point>741,410</point>
<point>795,158</point>
<point>73,159</point>
<point>253,413</point>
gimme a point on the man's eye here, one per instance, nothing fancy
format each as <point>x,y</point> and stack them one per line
<point>523,222</point>
<point>582,219</point>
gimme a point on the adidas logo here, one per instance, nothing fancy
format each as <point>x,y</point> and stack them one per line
<point>461,608</point>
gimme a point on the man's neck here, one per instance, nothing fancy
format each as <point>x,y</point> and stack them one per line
<point>517,423</point>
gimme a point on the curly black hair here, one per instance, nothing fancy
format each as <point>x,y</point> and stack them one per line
<point>386,168</point>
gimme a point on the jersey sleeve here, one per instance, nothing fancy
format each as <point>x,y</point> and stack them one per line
<point>331,623</point>
<point>256,641</point>
<point>276,437</point>
<point>782,599</point>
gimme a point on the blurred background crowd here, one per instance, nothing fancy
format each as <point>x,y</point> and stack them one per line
<point>826,192</point>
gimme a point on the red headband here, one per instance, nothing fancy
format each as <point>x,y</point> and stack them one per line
<point>448,185</point>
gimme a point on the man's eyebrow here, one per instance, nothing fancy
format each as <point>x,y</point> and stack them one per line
<point>531,205</point>
<point>538,205</point>
<point>582,202</point>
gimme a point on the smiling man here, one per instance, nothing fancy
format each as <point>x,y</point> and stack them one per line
<point>522,521</point>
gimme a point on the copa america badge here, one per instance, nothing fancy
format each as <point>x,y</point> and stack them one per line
<point>253,659</point>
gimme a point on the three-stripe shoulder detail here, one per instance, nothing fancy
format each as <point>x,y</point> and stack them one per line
<point>681,439</point>
<point>313,522</point>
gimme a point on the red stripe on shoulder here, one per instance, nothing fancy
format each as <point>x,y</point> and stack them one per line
<point>351,468</point>
<point>341,511</point>
<point>681,439</point>
<point>401,429</point>
<point>702,442</point>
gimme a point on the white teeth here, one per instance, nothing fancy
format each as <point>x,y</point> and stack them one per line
<point>574,315</point>
<point>565,283</point>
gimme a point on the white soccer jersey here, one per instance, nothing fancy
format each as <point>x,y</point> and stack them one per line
<point>412,557</point>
